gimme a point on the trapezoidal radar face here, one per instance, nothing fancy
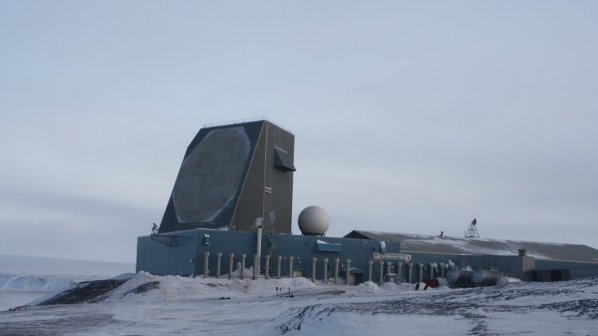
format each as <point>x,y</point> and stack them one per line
<point>210,176</point>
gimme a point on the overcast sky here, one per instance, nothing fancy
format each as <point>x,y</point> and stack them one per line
<point>408,116</point>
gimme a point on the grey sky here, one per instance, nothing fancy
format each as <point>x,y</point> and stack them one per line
<point>408,116</point>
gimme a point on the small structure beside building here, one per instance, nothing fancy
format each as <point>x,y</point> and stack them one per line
<point>528,261</point>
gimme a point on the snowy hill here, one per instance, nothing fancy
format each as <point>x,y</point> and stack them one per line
<point>41,283</point>
<point>24,278</point>
<point>154,305</point>
<point>18,289</point>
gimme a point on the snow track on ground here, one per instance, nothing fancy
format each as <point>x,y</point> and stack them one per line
<point>154,305</point>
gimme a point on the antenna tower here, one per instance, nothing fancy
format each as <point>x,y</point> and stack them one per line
<point>472,230</point>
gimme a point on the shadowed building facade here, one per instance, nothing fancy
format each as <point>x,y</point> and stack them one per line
<point>232,175</point>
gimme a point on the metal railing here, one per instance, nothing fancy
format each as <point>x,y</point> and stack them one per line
<point>243,121</point>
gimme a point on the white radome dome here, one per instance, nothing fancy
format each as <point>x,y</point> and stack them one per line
<point>314,221</point>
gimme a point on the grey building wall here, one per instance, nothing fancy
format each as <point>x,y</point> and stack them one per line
<point>545,264</point>
<point>167,254</point>
<point>558,270</point>
<point>474,246</point>
<point>279,180</point>
<point>577,273</point>
<point>430,266</point>
<point>516,266</point>
<point>267,190</point>
<point>183,253</point>
<point>304,248</point>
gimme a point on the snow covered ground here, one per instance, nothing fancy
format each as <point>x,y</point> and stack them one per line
<point>25,278</point>
<point>154,305</point>
<point>19,289</point>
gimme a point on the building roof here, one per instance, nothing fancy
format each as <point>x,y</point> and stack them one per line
<point>482,246</point>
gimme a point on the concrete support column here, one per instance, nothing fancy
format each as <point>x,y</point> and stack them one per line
<point>370,264</point>
<point>410,273</point>
<point>291,259</point>
<point>400,271</point>
<point>256,265</point>
<point>381,282</point>
<point>231,260</point>
<point>442,266</point>
<point>325,270</point>
<point>258,249</point>
<point>206,259</point>
<point>278,266</point>
<point>388,267</point>
<point>348,270</point>
<point>432,268</point>
<point>420,272</point>
<point>313,269</point>
<point>336,261</point>
<point>267,270</point>
<point>218,264</point>
<point>243,256</point>
<point>257,261</point>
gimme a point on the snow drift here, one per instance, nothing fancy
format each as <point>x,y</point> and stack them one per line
<point>146,304</point>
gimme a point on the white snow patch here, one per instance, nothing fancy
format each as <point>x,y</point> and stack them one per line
<point>292,306</point>
<point>40,283</point>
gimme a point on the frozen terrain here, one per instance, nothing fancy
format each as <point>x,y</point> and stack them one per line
<point>19,289</point>
<point>153,305</point>
<point>25,278</point>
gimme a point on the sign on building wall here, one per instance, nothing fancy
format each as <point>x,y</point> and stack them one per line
<point>392,256</point>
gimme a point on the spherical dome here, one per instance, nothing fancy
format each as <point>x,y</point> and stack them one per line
<point>314,221</point>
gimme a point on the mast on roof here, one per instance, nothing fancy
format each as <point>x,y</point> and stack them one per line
<point>472,230</point>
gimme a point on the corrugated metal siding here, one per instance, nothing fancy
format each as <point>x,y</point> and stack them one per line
<point>514,265</point>
<point>460,245</point>
<point>169,256</point>
<point>304,248</point>
<point>577,273</point>
<point>267,191</point>
<point>543,264</point>
<point>251,201</point>
<point>280,201</point>
<point>158,258</point>
<point>186,256</point>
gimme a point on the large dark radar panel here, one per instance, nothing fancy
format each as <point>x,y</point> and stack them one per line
<point>211,176</point>
<point>230,176</point>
